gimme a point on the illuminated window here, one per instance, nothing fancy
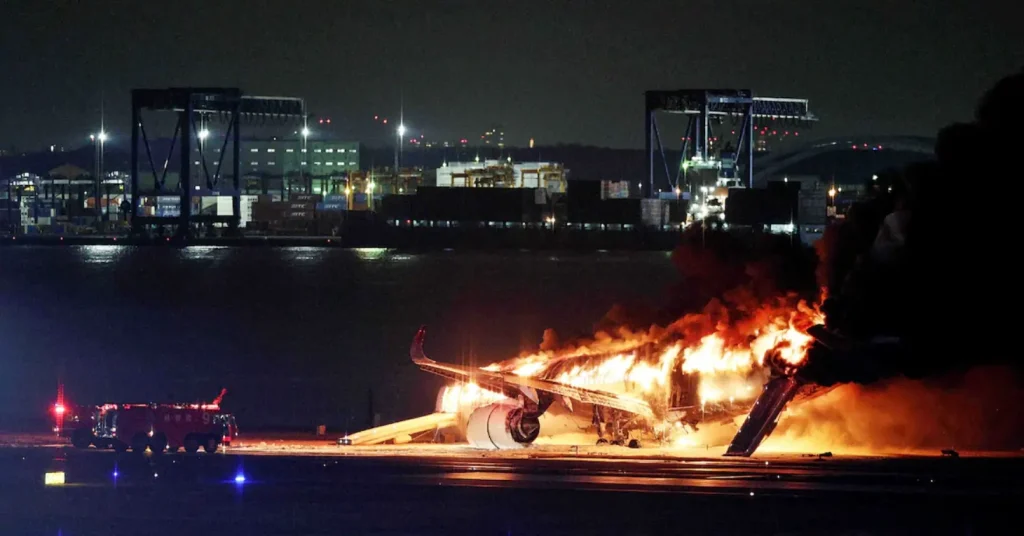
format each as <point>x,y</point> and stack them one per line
<point>351,163</point>
<point>254,150</point>
<point>304,163</point>
<point>289,150</point>
<point>270,163</point>
<point>303,150</point>
<point>316,163</point>
<point>330,150</point>
<point>271,150</point>
<point>316,150</point>
<point>254,163</point>
<point>330,163</point>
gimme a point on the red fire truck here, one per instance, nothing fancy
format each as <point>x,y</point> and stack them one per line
<point>158,427</point>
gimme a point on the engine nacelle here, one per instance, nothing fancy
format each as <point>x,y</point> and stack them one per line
<point>502,425</point>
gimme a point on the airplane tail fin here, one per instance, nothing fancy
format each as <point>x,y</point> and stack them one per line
<point>416,350</point>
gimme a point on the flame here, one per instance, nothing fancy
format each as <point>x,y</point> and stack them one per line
<point>460,397</point>
<point>727,354</point>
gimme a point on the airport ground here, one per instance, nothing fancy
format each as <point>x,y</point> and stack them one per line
<point>314,487</point>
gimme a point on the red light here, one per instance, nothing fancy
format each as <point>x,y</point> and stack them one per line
<point>774,132</point>
<point>385,121</point>
<point>374,118</point>
<point>796,133</point>
<point>328,121</point>
<point>786,133</point>
<point>855,147</point>
<point>879,146</point>
<point>321,121</point>
<point>59,409</point>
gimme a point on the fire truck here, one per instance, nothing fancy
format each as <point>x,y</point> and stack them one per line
<point>158,427</point>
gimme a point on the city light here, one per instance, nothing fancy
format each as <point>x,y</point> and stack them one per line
<point>369,187</point>
<point>59,409</point>
<point>401,130</point>
<point>831,192</point>
<point>305,132</point>
<point>102,136</point>
<point>874,177</point>
<point>239,478</point>
<point>203,134</point>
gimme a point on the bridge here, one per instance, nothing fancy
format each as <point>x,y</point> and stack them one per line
<point>775,163</point>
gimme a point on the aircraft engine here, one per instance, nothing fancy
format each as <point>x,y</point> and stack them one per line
<point>502,425</point>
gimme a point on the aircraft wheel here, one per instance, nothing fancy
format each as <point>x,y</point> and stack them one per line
<point>191,445</point>
<point>602,441</point>
<point>634,443</point>
<point>210,445</point>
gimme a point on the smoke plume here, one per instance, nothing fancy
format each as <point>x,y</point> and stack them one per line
<point>977,410</point>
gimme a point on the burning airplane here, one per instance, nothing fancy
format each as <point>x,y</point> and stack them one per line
<point>656,386</point>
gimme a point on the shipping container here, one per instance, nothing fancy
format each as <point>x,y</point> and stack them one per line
<point>306,198</point>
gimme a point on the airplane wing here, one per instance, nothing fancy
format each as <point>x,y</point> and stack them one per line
<point>511,385</point>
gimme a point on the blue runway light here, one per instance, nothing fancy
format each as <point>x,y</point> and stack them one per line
<point>239,479</point>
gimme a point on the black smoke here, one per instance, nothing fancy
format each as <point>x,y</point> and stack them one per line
<point>944,299</point>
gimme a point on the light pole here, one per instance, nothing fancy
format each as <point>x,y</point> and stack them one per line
<point>100,137</point>
<point>302,154</point>
<point>398,148</point>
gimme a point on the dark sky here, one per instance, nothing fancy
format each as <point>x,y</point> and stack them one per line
<point>555,71</point>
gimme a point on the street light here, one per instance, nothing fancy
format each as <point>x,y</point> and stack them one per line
<point>203,134</point>
<point>103,136</point>
<point>831,192</point>
<point>401,130</point>
<point>305,132</point>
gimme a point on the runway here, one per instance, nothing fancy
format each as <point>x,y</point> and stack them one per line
<point>324,489</point>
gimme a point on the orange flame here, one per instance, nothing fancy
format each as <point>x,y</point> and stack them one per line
<point>461,397</point>
<point>729,357</point>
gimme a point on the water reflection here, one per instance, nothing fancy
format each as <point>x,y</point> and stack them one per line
<point>305,255</point>
<point>100,254</point>
<point>371,254</point>
<point>195,253</point>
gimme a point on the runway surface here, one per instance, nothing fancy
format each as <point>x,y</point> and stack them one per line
<point>318,488</point>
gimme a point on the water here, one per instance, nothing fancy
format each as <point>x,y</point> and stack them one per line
<point>297,335</point>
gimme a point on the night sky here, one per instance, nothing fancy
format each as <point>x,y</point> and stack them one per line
<point>555,71</point>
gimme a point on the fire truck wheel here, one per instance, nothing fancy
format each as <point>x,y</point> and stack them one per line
<point>210,445</point>
<point>191,445</point>
<point>81,439</point>
<point>158,443</point>
<point>139,443</point>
